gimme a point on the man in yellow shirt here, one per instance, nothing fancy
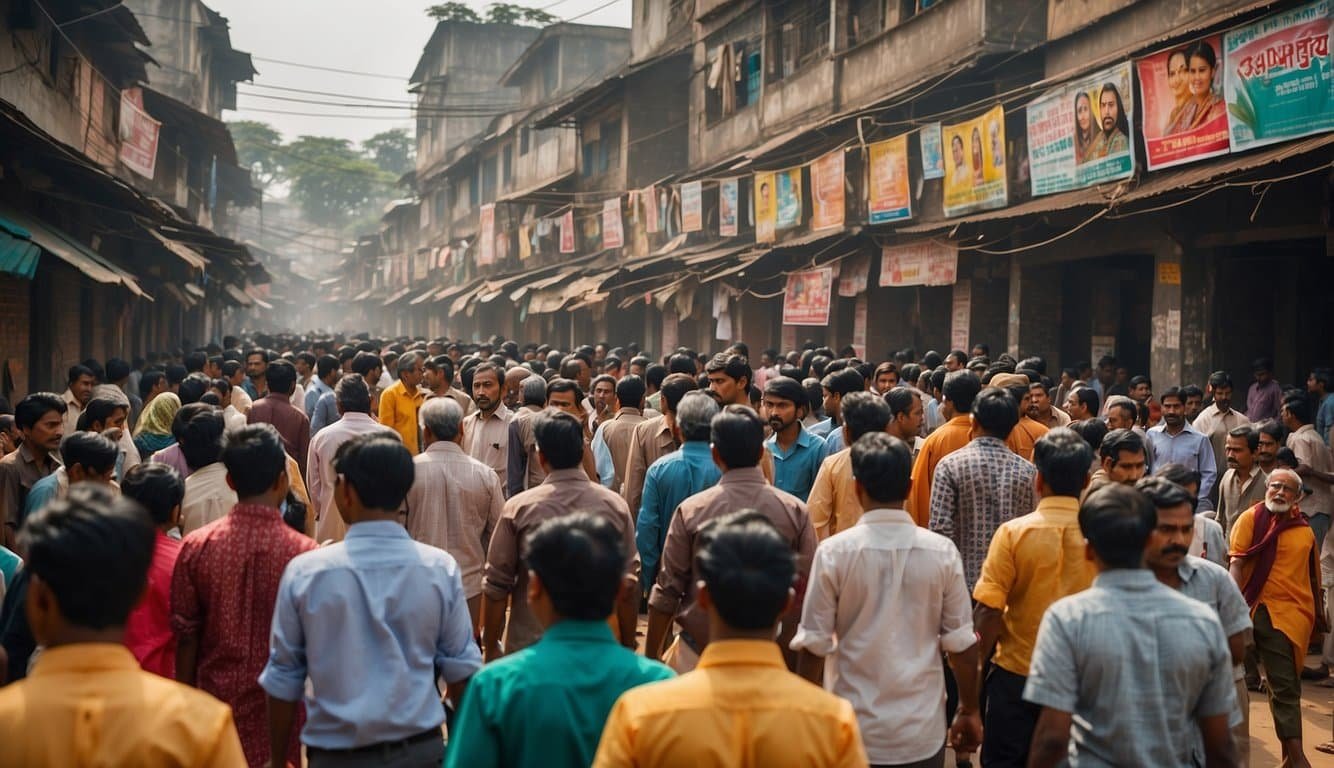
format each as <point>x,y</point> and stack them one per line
<point>86,700</point>
<point>1034,560</point>
<point>740,706</point>
<point>958,393</point>
<point>400,402</point>
<point>833,501</point>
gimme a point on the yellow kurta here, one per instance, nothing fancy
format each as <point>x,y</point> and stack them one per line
<point>1287,592</point>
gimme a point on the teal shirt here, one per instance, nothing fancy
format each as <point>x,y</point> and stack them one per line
<point>795,469</point>
<point>546,705</point>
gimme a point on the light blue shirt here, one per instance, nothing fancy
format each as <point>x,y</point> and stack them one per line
<point>371,621</point>
<point>1324,419</point>
<point>669,481</point>
<point>43,492</point>
<point>822,428</point>
<point>313,393</point>
<point>325,413</point>
<point>833,442</point>
<point>602,459</point>
<point>1191,449</point>
<point>795,469</point>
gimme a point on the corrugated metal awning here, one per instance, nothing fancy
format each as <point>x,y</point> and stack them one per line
<point>74,253</point>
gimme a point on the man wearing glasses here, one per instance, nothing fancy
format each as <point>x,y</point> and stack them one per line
<point>1274,563</point>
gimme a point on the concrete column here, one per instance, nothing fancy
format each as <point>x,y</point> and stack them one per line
<point>1165,321</point>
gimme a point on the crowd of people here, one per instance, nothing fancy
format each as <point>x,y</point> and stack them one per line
<point>344,551</point>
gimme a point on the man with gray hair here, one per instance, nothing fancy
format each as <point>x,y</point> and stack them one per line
<point>399,403</point>
<point>523,470</point>
<point>455,500</point>
<point>353,398</point>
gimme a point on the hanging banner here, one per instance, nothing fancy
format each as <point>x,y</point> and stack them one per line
<point>567,232</point>
<point>1080,134</point>
<point>889,197</point>
<point>1182,115</point>
<point>960,313</point>
<point>1279,80</point>
<point>924,263</point>
<point>692,207</point>
<point>613,235</point>
<point>806,300</point>
<point>859,326</point>
<point>138,134</point>
<point>727,207</point>
<point>649,198</point>
<point>933,158</point>
<point>975,169</point>
<point>827,201</point>
<point>766,212</point>
<point>788,194</point>
<point>853,279</point>
<point>788,337</point>
<point>525,244</point>
<point>486,243</point>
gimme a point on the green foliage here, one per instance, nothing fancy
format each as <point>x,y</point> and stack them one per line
<point>393,151</point>
<point>257,147</point>
<point>453,12</point>
<point>332,181</point>
<point>496,13</point>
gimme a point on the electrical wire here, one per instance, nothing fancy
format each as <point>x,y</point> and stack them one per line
<point>299,65</point>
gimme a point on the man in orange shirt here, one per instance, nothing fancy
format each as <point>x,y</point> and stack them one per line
<point>1027,432</point>
<point>957,401</point>
<point>400,402</point>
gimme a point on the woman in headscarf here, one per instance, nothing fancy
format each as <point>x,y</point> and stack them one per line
<point>153,433</point>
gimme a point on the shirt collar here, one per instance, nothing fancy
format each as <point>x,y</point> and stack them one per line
<point>989,441</point>
<point>749,653</point>
<point>83,658</point>
<point>25,453</point>
<point>352,417</point>
<point>885,515</point>
<point>499,413</point>
<point>700,447</point>
<point>71,400</point>
<point>963,420</point>
<point>1063,509</point>
<point>628,412</point>
<point>1305,428</point>
<point>742,475</point>
<point>1187,568</point>
<point>572,630</point>
<point>571,475</point>
<point>1126,578</point>
<point>444,446</point>
<point>257,511</point>
<point>804,439</point>
<point>376,529</point>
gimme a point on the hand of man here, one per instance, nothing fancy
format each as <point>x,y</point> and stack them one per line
<point>966,732</point>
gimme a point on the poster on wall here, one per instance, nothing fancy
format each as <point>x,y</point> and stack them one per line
<point>924,263</point>
<point>567,232</point>
<point>852,280</point>
<point>138,134</point>
<point>613,234</point>
<point>649,199</point>
<point>933,158</point>
<point>889,197</point>
<point>692,207</point>
<point>486,253</point>
<point>1080,133</point>
<point>975,166</point>
<point>727,207</point>
<point>806,300</point>
<point>1278,80</point>
<point>765,210</point>
<point>960,311</point>
<point>859,326</point>
<point>827,201</point>
<point>788,195</point>
<point>1182,115</point>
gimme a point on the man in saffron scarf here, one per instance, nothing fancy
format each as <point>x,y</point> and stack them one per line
<point>1274,563</point>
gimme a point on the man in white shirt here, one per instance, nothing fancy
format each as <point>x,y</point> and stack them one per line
<point>884,599</point>
<point>208,497</point>
<point>353,399</point>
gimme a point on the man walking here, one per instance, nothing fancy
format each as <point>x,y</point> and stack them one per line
<point>326,374</point>
<point>676,477</point>
<point>522,469</point>
<point>654,438</point>
<point>958,392</point>
<point>40,418</point>
<point>1315,464</point>
<point>834,505</point>
<point>276,408</point>
<point>486,430</point>
<point>1176,442</point>
<point>353,400</point>
<point>615,434</point>
<point>399,403</point>
<point>796,452</point>
<point>1264,398</point>
<point>1244,483</point>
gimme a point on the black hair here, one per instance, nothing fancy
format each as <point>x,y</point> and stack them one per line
<point>175,375</point>
<point>580,559</point>
<point>654,375</point>
<point>193,387</point>
<point>1173,392</point>
<point>1117,521</point>
<point>1220,379</point>
<point>98,410</point>
<point>681,363</point>
<point>560,438</point>
<point>843,382</point>
<point>630,391</point>
<point>1093,431</point>
<point>32,408</point>
<point>194,362</point>
<point>961,388</point>
<point>733,367</point>
<point>92,549</point>
<point>365,362</point>
<point>1138,380</point>
<point>378,467</point>
<point>326,365</point>
<point>1063,459</point>
<point>748,568</point>
<point>882,464</point>
<point>147,381</point>
<point>1299,407</point>
<point>352,394</point>
<point>117,369</point>
<point>200,438</point>
<point>89,450</point>
<point>1187,392</point>
<point>864,413</point>
<point>996,411</point>
<point>900,400</point>
<point>281,377</point>
<point>229,368</point>
<point>1088,396</point>
<point>77,372</point>
<point>1248,433</point>
<point>1163,492</point>
<point>932,359</point>
<point>157,488</point>
<point>738,435</point>
<point>1119,441</point>
<point>1274,428</point>
<point>675,387</point>
<point>254,458</point>
<point>784,388</point>
<point>564,385</point>
<point>1179,474</point>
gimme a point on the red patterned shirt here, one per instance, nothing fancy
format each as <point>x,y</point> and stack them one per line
<point>223,590</point>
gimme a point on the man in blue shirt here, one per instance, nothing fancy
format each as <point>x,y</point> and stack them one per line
<point>1318,384</point>
<point>1175,441</point>
<point>797,453</point>
<point>327,372</point>
<point>372,621</point>
<point>547,704</point>
<point>676,477</point>
<point>836,385</point>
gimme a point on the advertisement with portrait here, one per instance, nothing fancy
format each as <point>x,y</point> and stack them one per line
<point>928,262</point>
<point>692,206</point>
<point>766,213</point>
<point>727,207</point>
<point>889,194</point>
<point>827,200</point>
<point>1182,114</point>
<point>1080,133</point>
<point>933,156</point>
<point>806,300</point>
<point>788,194</point>
<point>975,164</point>
<point>613,235</point>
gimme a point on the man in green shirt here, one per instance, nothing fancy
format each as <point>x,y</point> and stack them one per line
<point>546,705</point>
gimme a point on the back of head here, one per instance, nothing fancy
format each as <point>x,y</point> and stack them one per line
<point>117,370</point>
<point>1117,520</point>
<point>901,400</point>
<point>675,387</point>
<point>844,382</point>
<point>281,377</point>
<point>995,412</point>
<point>748,569</point>
<point>1178,473</point>
<point>193,388</point>
<point>882,464</point>
<point>201,438</point>
<point>325,365</point>
<point>91,550</point>
<point>442,417</point>
<point>1164,493</point>
<point>960,388</point>
<point>681,363</point>
<point>1063,459</point>
<point>630,391</point>
<point>580,560</point>
<point>158,488</point>
<point>365,363</point>
<point>254,458</point>
<point>352,394</point>
<point>534,391</point>
<point>738,436</point>
<point>814,393</point>
<point>1120,441</point>
<point>378,467</point>
<point>93,452</point>
<point>864,413</point>
<point>694,416</point>
<point>560,438</point>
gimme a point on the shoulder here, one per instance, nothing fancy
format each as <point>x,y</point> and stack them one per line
<point>1211,572</point>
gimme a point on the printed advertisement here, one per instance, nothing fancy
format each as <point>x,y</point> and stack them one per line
<point>933,157</point>
<point>486,245</point>
<point>890,198</point>
<point>649,198</point>
<point>788,194</point>
<point>827,202</point>
<point>960,314</point>
<point>924,263</point>
<point>727,207</point>
<point>567,232</point>
<point>765,211</point>
<point>613,235</point>
<point>806,300</point>
<point>1182,114</point>
<point>1278,76</point>
<point>975,169</point>
<point>859,326</point>
<point>853,279</point>
<point>1079,134</point>
<point>692,207</point>
<point>138,134</point>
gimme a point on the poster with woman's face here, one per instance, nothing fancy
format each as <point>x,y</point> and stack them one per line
<point>1080,133</point>
<point>975,163</point>
<point>1184,116</point>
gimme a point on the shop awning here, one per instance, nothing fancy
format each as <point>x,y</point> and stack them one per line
<point>239,296</point>
<point>186,300</point>
<point>69,250</point>
<point>18,253</point>
<point>1194,176</point>
<point>260,302</point>
<point>396,296</point>
<point>366,294</point>
<point>424,297</point>
<point>190,256</point>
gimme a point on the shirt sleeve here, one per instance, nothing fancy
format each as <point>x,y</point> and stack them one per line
<point>284,676</point>
<point>1219,693</point>
<point>473,740</point>
<point>516,460</point>
<point>602,458</point>
<point>457,656</point>
<point>635,470</point>
<point>816,632</point>
<point>1233,612</point>
<point>616,748</point>
<point>999,571</point>
<point>648,524</point>
<point>956,614</point>
<point>1052,679</point>
<point>9,494</point>
<point>1242,531</point>
<point>942,504</point>
<point>315,478</point>
<point>821,501</point>
<point>502,560</point>
<point>186,613</point>
<point>225,751</point>
<point>674,573</point>
<point>497,507</point>
<point>1208,473</point>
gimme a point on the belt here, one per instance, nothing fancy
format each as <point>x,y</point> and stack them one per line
<point>384,746</point>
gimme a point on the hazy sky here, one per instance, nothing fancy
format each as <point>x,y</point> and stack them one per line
<point>382,38</point>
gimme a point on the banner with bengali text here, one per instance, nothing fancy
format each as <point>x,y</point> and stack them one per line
<point>889,194</point>
<point>806,300</point>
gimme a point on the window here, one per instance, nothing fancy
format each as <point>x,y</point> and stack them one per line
<point>866,18</point>
<point>489,177</point>
<point>609,146</point>
<point>506,166</point>
<point>734,79</point>
<point>798,37</point>
<point>525,136</point>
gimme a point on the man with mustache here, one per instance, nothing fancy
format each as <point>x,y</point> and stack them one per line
<point>796,452</point>
<point>1218,420</point>
<point>1176,442</point>
<point>1169,559</point>
<point>1273,561</point>
<point>486,431</point>
<point>1243,485</point>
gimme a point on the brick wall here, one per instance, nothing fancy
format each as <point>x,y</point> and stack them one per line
<point>15,306</point>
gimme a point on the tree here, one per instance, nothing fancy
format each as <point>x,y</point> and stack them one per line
<point>510,13</point>
<point>453,12</point>
<point>332,181</point>
<point>393,151</point>
<point>259,148</point>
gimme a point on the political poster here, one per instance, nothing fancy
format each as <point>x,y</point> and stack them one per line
<point>788,195</point>
<point>138,134</point>
<point>923,263</point>
<point>613,234</point>
<point>827,201</point>
<point>806,300</point>
<point>1080,133</point>
<point>890,197</point>
<point>486,245</point>
<point>567,232</point>
<point>1182,115</point>
<point>975,168</point>
<point>933,158</point>
<point>727,207</point>
<point>766,211</point>
<point>1278,76</point>
<point>692,207</point>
